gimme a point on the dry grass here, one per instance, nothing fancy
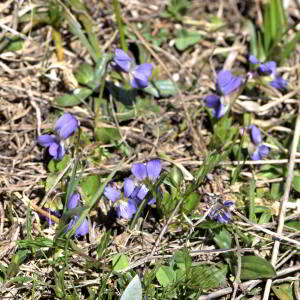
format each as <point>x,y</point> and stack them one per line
<point>31,79</point>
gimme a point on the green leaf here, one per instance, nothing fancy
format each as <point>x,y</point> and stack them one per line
<point>78,96</point>
<point>176,8</point>
<point>107,135</point>
<point>293,224</point>
<point>223,239</point>
<point>51,179</point>
<point>89,185</point>
<point>167,204</point>
<point>283,291</point>
<point>21,280</point>
<point>208,224</point>
<point>62,164</point>
<point>186,39</point>
<point>183,259</point>
<point>289,47</point>
<point>120,262</point>
<point>84,73</point>
<point>14,45</point>
<point>176,177</point>
<point>101,66</point>
<point>207,276</point>
<point>134,290</point>
<point>165,276</point>
<point>296,183</point>
<point>165,88</point>
<point>191,202</point>
<point>253,40</point>
<point>265,218</point>
<point>254,267</point>
<point>77,30</point>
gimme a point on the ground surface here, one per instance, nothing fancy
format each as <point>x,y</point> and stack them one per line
<point>177,128</point>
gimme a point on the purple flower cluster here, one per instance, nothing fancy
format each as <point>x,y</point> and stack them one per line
<point>261,150</point>
<point>83,229</point>
<point>226,84</point>
<point>135,189</point>
<point>139,74</point>
<point>269,68</point>
<point>73,202</point>
<point>220,212</point>
<point>65,126</point>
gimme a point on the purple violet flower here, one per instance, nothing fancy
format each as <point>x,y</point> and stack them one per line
<point>227,83</point>
<point>260,153</point>
<point>255,135</point>
<point>221,212</point>
<point>141,73</point>
<point>122,60</point>
<point>135,193</point>
<point>124,209</point>
<point>261,150</point>
<point>140,76</point>
<point>150,170</point>
<point>215,102</point>
<point>65,126</point>
<point>56,149</point>
<point>278,83</point>
<point>269,68</point>
<point>83,229</point>
<point>224,218</point>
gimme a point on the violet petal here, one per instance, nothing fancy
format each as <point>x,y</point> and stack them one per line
<point>212,101</point>
<point>73,200</point>
<point>128,187</point>
<point>56,151</point>
<point>46,140</point>
<point>255,135</point>
<point>143,191</point>
<point>66,125</point>
<point>219,111</point>
<point>253,60</point>
<point>263,151</point>
<point>139,171</point>
<point>255,155</point>
<point>279,83</point>
<point>227,83</point>
<point>111,193</point>
<point>83,229</point>
<point>126,209</point>
<point>140,76</point>
<point>268,68</point>
<point>122,60</point>
<point>153,169</point>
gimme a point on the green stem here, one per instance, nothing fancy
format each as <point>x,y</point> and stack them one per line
<point>116,6</point>
<point>138,213</point>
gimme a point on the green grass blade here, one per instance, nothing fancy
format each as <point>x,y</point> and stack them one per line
<point>77,30</point>
<point>252,216</point>
<point>116,6</point>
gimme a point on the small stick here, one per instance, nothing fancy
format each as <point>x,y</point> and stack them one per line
<point>284,201</point>
<point>166,226</point>
<point>239,268</point>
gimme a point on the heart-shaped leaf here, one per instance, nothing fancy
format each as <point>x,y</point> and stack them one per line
<point>134,290</point>
<point>254,267</point>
